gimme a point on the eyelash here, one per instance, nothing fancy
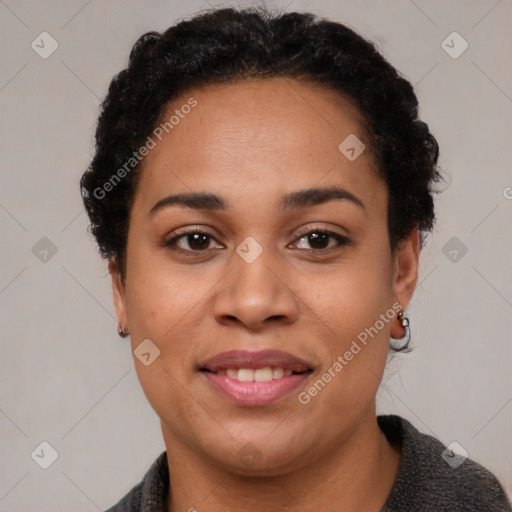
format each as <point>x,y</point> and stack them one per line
<point>340,239</point>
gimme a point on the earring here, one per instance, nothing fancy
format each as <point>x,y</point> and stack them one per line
<point>404,322</point>
<point>121,331</point>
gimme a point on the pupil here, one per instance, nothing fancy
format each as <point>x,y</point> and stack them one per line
<point>198,239</point>
<point>320,240</point>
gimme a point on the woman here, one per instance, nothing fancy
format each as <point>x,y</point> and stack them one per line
<point>261,188</point>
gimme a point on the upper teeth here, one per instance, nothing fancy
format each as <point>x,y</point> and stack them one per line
<point>259,375</point>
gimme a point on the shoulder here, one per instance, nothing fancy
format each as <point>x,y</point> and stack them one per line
<point>431,477</point>
<point>150,493</point>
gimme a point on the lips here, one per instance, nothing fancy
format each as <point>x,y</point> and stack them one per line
<point>255,378</point>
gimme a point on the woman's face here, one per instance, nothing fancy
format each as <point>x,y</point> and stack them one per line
<point>261,276</point>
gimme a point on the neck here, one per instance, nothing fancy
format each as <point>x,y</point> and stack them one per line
<point>358,475</point>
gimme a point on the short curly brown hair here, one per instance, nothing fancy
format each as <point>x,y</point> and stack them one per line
<point>225,45</point>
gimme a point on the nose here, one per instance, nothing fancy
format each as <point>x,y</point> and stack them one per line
<point>256,295</point>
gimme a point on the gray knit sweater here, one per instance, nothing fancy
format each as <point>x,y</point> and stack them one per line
<point>425,481</point>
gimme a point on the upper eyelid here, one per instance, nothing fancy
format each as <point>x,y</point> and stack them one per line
<point>206,230</point>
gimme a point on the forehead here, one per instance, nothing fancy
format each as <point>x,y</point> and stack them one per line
<point>274,134</point>
<point>250,112</point>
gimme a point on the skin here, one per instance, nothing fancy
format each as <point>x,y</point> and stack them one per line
<point>251,143</point>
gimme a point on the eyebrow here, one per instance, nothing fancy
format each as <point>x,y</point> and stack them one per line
<point>291,201</point>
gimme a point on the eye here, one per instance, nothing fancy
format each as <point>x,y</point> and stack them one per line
<point>191,241</point>
<point>320,239</point>
<point>200,241</point>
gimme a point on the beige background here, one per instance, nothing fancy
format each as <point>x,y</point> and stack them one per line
<point>65,376</point>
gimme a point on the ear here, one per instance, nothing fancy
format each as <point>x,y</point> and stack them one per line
<point>405,274</point>
<point>118,293</point>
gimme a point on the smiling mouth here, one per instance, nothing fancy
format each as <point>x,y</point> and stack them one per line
<point>255,379</point>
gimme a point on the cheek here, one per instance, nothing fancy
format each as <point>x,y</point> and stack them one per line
<point>354,294</point>
<point>162,295</point>
<point>351,302</point>
<point>161,305</point>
